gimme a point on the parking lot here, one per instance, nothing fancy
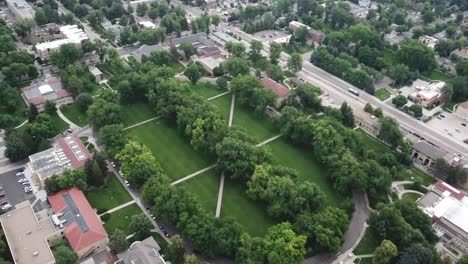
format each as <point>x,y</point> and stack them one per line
<point>451,125</point>
<point>13,190</point>
<point>271,35</point>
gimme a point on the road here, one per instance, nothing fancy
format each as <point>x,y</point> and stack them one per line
<point>339,89</point>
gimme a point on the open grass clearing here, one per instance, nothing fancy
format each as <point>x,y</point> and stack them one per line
<point>73,113</point>
<point>370,142</point>
<point>173,152</point>
<point>109,196</point>
<point>250,214</point>
<point>259,127</point>
<point>438,75</point>
<point>308,169</point>
<point>389,57</point>
<point>121,219</point>
<point>206,90</point>
<point>410,197</point>
<point>59,123</point>
<point>382,94</point>
<point>367,245</point>
<point>136,112</point>
<point>299,49</point>
<point>414,174</point>
<point>205,187</point>
<point>223,105</point>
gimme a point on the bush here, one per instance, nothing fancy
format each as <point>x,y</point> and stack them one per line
<point>105,217</point>
<point>100,211</point>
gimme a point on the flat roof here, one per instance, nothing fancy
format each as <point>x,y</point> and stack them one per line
<point>22,7</point>
<point>26,235</point>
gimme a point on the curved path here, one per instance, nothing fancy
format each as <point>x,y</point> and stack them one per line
<point>64,118</point>
<point>400,194</point>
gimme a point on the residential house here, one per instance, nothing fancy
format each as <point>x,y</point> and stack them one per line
<point>21,9</point>
<point>429,41</point>
<point>97,74</point>
<point>280,91</point>
<point>141,252</point>
<point>460,53</point>
<point>209,52</point>
<point>146,50</point>
<point>427,93</point>
<point>42,90</point>
<point>82,227</point>
<point>367,122</point>
<point>448,209</point>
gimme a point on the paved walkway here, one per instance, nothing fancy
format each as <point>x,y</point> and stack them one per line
<point>119,207</point>
<point>218,95</point>
<point>142,122</point>
<point>64,118</point>
<point>22,124</point>
<point>194,174</point>
<point>268,140</point>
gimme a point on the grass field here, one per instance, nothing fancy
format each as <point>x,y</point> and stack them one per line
<point>367,245</point>
<point>258,127</point>
<point>59,123</point>
<point>223,105</point>
<point>414,174</point>
<point>389,57</point>
<point>206,90</point>
<point>410,197</point>
<point>73,113</point>
<point>382,94</point>
<point>205,188</point>
<point>121,219</point>
<point>438,75</point>
<point>136,112</point>
<point>250,214</point>
<point>370,142</point>
<point>303,161</point>
<point>301,49</point>
<point>109,196</point>
<point>172,151</point>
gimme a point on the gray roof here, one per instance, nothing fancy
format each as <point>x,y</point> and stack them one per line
<point>210,49</point>
<point>142,252</point>
<point>428,150</point>
<point>146,50</point>
<point>49,162</point>
<point>194,38</point>
<point>72,214</point>
<point>428,199</point>
<point>94,71</point>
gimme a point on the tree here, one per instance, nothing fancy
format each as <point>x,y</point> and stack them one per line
<point>19,145</point>
<point>215,20</point>
<point>141,9</point>
<point>23,27</point>
<point>282,245</point>
<point>237,49</point>
<point>140,226</point>
<point>83,101</point>
<point>64,255</point>
<point>105,109</point>
<point>275,72</point>
<point>463,260</point>
<point>188,49</point>
<point>418,253</point>
<point>49,107</point>
<point>416,55</point>
<point>399,100</point>
<point>416,109</point>
<point>390,132</point>
<point>118,241</point>
<point>400,73</point>
<point>384,253</point>
<point>222,82</point>
<point>275,52</point>
<point>114,137</point>
<point>462,67</point>
<point>68,54</point>
<point>295,62</point>
<point>236,66</point>
<point>255,50</point>
<point>176,250</point>
<point>347,113</point>
<point>194,72</point>
<point>32,113</point>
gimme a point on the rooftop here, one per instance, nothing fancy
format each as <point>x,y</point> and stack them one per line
<point>27,234</point>
<point>71,33</point>
<point>277,88</point>
<point>194,38</point>
<point>146,50</point>
<point>40,91</point>
<point>211,62</point>
<point>84,227</point>
<point>147,24</point>
<point>142,252</point>
<point>22,7</point>
<point>95,71</point>
<point>428,150</point>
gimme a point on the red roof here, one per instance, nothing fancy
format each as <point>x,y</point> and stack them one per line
<point>79,239</point>
<point>277,88</point>
<point>74,160</point>
<point>446,187</point>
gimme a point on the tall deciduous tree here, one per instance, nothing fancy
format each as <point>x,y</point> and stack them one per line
<point>118,241</point>
<point>275,52</point>
<point>194,72</point>
<point>140,226</point>
<point>295,62</point>
<point>384,253</point>
<point>176,250</point>
<point>283,245</point>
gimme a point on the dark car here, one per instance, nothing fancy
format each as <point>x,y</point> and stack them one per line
<point>466,141</point>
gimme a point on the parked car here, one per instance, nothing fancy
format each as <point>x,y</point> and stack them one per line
<point>6,207</point>
<point>3,202</point>
<point>20,173</point>
<point>121,174</point>
<point>466,141</point>
<point>25,183</point>
<point>113,164</point>
<point>126,183</point>
<point>2,194</point>
<point>22,180</point>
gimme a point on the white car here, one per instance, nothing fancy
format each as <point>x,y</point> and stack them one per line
<point>22,180</point>
<point>121,173</point>
<point>113,164</point>
<point>6,207</point>
<point>20,173</point>
<point>126,183</point>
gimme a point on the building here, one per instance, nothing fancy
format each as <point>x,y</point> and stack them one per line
<point>426,154</point>
<point>220,39</point>
<point>425,93</point>
<point>367,122</point>
<point>429,41</point>
<point>315,35</point>
<point>43,90</point>
<point>28,235</point>
<point>460,53</point>
<point>395,38</point>
<point>448,209</point>
<point>82,226</point>
<point>209,63</point>
<point>209,52</point>
<point>142,252</point>
<point>146,50</point>
<point>280,91</point>
<point>68,153</point>
<point>21,9</point>
<point>147,25</point>
<point>97,74</point>
<point>70,34</point>
<point>199,41</point>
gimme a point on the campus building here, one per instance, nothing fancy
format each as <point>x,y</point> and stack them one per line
<point>21,9</point>
<point>198,41</point>
<point>41,91</point>
<point>210,63</point>
<point>367,122</point>
<point>70,34</point>
<point>68,153</point>
<point>81,225</point>
<point>425,93</point>
<point>141,252</point>
<point>426,154</point>
<point>428,41</point>
<point>448,209</point>
<point>314,35</point>
<point>280,91</point>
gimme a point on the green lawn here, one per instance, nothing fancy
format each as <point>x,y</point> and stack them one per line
<point>19,115</point>
<point>414,174</point>
<point>370,142</point>
<point>121,219</point>
<point>289,74</point>
<point>250,214</point>
<point>177,67</point>
<point>438,75</point>
<point>109,196</point>
<point>389,57</point>
<point>410,197</point>
<point>206,90</point>
<point>205,188</point>
<point>382,94</point>
<point>449,107</point>
<point>136,112</point>
<point>223,105</point>
<point>73,113</point>
<point>59,123</point>
<point>303,161</point>
<point>173,152</point>
<point>364,261</point>
<point>367,245</point>
<point>259,127</point>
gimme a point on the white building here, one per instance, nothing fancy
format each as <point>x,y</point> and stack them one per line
<point>71,34</point>
<point>425,93</point>
<point>147,24</point>
<point>428,41</point>
<point>21,9</point>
